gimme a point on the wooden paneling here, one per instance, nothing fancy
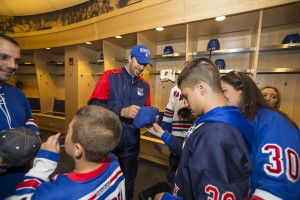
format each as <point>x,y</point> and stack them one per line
<point>191,42</point>
<point>154,150</point>
<point>86,83</point>
<point>48,89</point>
<point>72,83</point>
<point>111,52</point>
<point>287,85</point>
<point>209,9</point>
<point>51,123</point>
<point>255,42</point>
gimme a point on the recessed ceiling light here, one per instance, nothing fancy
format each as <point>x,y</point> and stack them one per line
<point>160,28</point>
<point>88,42</point>
<point>48,48</point>
<point>220,18</point>
<point>118,36</point>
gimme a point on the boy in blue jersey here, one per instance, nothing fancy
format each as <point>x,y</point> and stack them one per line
<point>92,134</point>
<point>14,110</point>
<point>179,126</point>
<point>275,148</point>
<point>214,160</point>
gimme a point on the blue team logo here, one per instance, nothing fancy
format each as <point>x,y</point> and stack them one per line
<point>140,91</point>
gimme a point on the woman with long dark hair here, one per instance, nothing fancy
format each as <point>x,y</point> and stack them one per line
<point>275,150</point>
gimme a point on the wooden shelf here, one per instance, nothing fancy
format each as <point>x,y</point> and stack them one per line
<point>59,64</point>
<point>97,62</point>
<point>26,64</point>
<point>121,59</point>
<point>279,71</point>
<point>97,74</point>
<point>58,74</point>
<point>177,72</point>
<point>282,48</point>
<point>26,74</point>
<point>173,56</point>
<point>158,58</point>
<point>223,52</point>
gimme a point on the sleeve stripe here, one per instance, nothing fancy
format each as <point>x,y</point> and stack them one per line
<point>115,176</point>
<point>263,195</point>
<point>169,116</point>
<point>33,183</point>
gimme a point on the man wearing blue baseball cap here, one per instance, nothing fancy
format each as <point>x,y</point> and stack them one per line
<point>124,92</point>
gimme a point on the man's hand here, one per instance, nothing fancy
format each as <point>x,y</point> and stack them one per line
<point>155,130</point>
<point>52,144</point>
<point>130,112</point>
<point>158,196</point>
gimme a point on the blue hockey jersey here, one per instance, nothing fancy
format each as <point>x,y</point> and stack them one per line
<point>106,182</point>
<point>14,112</point>
<point>275,155</point>
<point>215,160</point>
<point>14,109</point>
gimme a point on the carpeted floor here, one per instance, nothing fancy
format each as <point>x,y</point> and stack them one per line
<point>149,173</point>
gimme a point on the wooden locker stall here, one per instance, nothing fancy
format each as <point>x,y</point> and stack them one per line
<point>279,64</point>
<point>51,82</point>
<point>26,75</point>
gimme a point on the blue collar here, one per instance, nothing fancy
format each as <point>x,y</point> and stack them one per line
<point>231,116</point>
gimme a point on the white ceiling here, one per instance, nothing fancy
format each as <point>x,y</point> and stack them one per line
<point>32,7</point>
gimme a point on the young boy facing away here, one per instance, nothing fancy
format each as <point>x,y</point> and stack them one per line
<point>215,162</point>
<point>93,133</point>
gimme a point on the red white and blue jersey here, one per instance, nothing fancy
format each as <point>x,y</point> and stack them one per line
<point>170,118</point>
<point>105,182</point>
<point>117,89</point>
<point>14,112</point>
<point>215,161</point>
<point>15,109</point>
<point>275,155</point>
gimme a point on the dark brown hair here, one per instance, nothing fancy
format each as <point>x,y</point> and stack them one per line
<point>98,130</point>
<point>200,69</point>
<point>251,96</point>
<point>9,39</point>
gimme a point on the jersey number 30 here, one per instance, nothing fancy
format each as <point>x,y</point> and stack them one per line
<point>275,167</point>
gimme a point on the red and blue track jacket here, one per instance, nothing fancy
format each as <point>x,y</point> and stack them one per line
<point>117,89</point>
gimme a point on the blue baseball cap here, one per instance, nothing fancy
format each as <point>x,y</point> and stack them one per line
<point>141,54</point>
<point>146,115</point>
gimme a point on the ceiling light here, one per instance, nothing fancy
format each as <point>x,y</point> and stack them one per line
<point>48,48</point>
<point>118,36</point>
<point>220,18</point>
<point>88,42</point>
<point>160,28</point>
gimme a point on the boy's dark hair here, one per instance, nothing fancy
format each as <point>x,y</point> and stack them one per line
<point>98,130</point>
<point>200,69</point>
<point>9,39</point>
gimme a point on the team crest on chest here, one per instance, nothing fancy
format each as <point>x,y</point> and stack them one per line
<point>175,190</point>
<point>140,91</point>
